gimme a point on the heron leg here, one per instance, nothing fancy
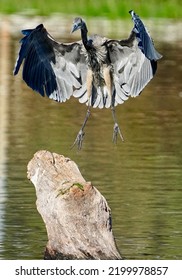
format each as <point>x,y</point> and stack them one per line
<point>116,129</point>
<point>79,138</point>
<point>81,133</point>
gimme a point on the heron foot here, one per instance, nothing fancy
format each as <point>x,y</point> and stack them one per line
<point>79,139</point>
<point>116,131</point>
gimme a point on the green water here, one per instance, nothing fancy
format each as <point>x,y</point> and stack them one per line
<point>103,8</point>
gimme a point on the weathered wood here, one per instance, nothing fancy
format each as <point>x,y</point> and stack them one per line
<point>76,215</point>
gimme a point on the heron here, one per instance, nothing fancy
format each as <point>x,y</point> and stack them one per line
<point>99,71</point>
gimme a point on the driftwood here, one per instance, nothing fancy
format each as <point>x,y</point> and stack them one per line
<point>76,215</point>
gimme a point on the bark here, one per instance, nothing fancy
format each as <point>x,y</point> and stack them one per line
<point>76,215</point>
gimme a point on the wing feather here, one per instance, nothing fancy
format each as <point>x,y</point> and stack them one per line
<point>145,42</point>
<point>134,62</point>
<point>50,68</point>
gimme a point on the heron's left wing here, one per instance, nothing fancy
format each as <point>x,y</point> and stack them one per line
<point>50,67</point>
<point>134,62</point>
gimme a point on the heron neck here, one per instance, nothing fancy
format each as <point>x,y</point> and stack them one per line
<point>84,32</point>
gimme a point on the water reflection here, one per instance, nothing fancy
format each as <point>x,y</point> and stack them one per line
<point>141,178</point>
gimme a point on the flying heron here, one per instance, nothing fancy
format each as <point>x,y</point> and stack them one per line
<point>100,72</point>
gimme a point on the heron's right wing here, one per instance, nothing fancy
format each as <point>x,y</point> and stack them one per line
<point>49,67</point>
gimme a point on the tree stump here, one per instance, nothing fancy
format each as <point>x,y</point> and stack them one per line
<point>76,215</point>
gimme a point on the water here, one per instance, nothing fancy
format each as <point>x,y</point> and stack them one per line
<point>140,178</point>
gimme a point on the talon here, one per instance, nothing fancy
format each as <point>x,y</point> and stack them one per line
<point>81,133</point>
<point>79,139</point>
<point>116,131</point>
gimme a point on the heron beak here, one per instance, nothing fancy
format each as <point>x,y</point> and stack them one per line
<point>74,28</point>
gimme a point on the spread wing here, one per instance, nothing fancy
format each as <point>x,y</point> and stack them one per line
<point>134,62</point>
<point>50,68</point>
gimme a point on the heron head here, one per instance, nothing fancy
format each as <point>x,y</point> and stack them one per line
<point>77,24</point>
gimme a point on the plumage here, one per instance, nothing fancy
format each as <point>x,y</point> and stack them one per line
<point>100,72</point>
